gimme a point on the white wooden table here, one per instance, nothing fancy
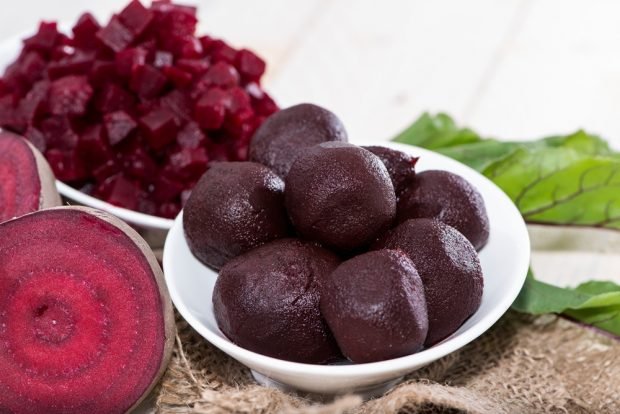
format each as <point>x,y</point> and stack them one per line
<point>516,69</point>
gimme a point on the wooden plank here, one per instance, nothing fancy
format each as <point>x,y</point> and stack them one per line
<point>379,67</point>
<point>561,73</point>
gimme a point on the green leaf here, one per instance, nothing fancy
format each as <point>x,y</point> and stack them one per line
<point>565,180</point>
<point>539,298</point>
<point>595,303</point>
<point>436,132</point>
<point>606,318</point>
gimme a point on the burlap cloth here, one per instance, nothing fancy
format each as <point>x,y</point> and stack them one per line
<point>522,365</point>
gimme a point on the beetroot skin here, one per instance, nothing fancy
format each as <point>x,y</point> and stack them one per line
<point>143,83</point>
<point>86,325</point>
<point>26,181</point>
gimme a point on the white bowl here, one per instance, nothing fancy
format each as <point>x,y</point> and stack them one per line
<point>505,261</point>
<point>152,228</point>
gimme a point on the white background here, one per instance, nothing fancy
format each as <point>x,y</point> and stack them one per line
<point>515,69</point>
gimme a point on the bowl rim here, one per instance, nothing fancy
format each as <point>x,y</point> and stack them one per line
<point>449,345</point>
<point>130,216</point>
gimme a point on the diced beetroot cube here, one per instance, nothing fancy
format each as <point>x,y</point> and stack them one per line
<point>239,100</point>
<point>34,103</point>
<point>169,210</point>
<point>263,104</point>
<point>59,133</point>
<point>78,64</point>
<point>161,5</point>
<point>102,189</point>
<point>188,163</point>
<point>238,151</point>
<point>106,170</point>
<point>163,59</point>
<point>128,59</point>
<point>222,74</point>
<point>118,126</point>
<point>210,110</point>
<point>32,66</point>
<point>159,127</point>
<point>136,17</point>
<point>147,81</point>
<point>217,151</point>
<point>194,66</point>
<point>191,136</point>
<point>190,47</point>
<point>62,52</point>
<point>147,105</point>
<point>45,39</point>
<point>115,35</point>
<point>124,193</point>
<point>36,138</point>
<point>112,97</point>
<point>250,66</point>
<point>168,5</point>
<point>9,116</point>
<point>237,124</point>
<point>150,45</point>
<point>221,52</point>
<point>207,43</point>
<point>21,74</point>
<point>166,189</point>
<point>67,165</point>
<point>179,103</point>
<point>15,80</point>
<point>146,205</point>
<point>103,72</point>
<point>70,95</point>
<point>175,19</point>
<point>85,31</point>
<point>140,165</point>
<point>93,146</point>
<point>185,46</point>
<point>178,77</point>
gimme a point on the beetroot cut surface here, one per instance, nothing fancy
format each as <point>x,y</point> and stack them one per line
<point>26,180</point>
<point>86,325</point>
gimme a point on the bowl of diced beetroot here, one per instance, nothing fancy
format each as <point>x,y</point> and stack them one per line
<point>130,113</point>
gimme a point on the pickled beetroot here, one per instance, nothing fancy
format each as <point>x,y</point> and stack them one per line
<point>26,181</point>
<point>89,99</point>
<point>86,323</point>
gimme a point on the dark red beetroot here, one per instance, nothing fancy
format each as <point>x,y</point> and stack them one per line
<point>400,166</point>
<point>289,133</point>
<point>267,300</point>
<point>449,198</point>
<point>142,80</point>
<point>375,306</point>
<point>235,207</point>
<point>340,195</point>
<point>26,180</point>
<point>450,270</point>
<point>86,324</point>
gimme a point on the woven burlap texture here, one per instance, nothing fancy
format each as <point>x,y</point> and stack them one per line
<point>522,365</point>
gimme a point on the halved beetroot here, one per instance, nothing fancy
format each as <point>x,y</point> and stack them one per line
<point>26,180</point>
<point>86,323</point>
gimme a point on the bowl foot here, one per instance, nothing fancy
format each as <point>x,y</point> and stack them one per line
<point>367,392</point>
